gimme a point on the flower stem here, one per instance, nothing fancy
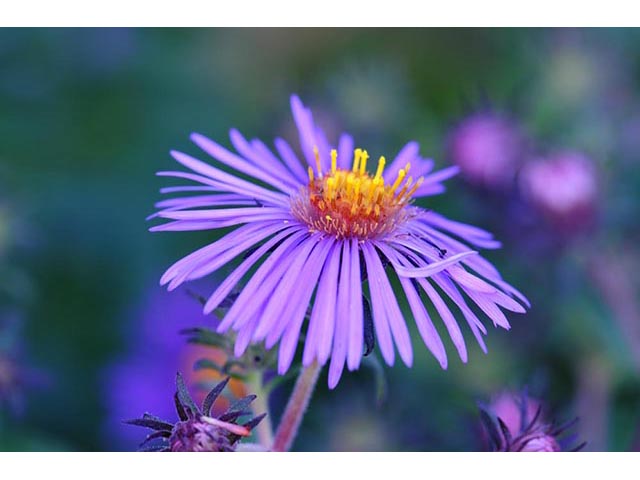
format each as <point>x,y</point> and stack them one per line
<point>263,430</point>
<point>612,276</point>
<point>296,408</point>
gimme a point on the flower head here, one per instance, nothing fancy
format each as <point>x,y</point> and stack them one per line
<point>198,430</point>
<point>308,234</point>
<point>488,148</point>
<point>514,423</point>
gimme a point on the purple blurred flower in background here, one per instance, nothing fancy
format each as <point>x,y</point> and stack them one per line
<point>144,378</point>
<point>17,376</point>
<point>564,187</point>
<point>324,225</point>
<point>488,147</point>
<point>10,392</point>
<point>515,423</point>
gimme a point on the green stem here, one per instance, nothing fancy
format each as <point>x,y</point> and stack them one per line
<point>296,408</point>
<point>263,430</point>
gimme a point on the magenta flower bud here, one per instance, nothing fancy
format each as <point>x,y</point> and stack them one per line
<point>509,407</point>
<point>536,442</point>
<point>488,148</point>
<point>198,428</point>
<point>564,188</point>
<point>196,435</point>
<point>514,423</point>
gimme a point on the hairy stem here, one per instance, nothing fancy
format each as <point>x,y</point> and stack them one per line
<point>296,408</point>
<point>263,430</point>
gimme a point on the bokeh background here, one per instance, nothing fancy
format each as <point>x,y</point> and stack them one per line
<point>87,116</point>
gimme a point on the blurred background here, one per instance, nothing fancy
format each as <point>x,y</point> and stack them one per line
<point>544,124</point>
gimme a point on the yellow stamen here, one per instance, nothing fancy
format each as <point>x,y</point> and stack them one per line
<point>398,181</point>
<point>381,163</point>
<point>331,183</point>
<point>363,162</point>
<point>349,181</point>
<point>404,188</point>
<point>352,203</point>
<point>356,159</point>
<point>415,187</point>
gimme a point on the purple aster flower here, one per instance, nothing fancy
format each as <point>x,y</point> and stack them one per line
<point>487,147</point>
<point>564,187</point>
<point>308,233</point>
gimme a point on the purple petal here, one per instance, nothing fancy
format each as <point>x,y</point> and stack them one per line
<point>380,321</point>
<point>300,295</point>
<point>476,326</point>
<point>298,309</point>
<point>231,182</point>
<point>460,275</point>
<point>260,156</point>
<point>441,175</point>
<point>394,315</point>
<point>322,321</point>
<point>189,189</point>
<point>447,318</point>
<point>429,190</point>
<point>432,268</point>
<point>209,264</point>
<point>279,286</point>
<point>224,213</point>
<point>224,289</point>
<point>238,163</point>
<point>425,326</point>
<point>245,302</point>
<point>448,286</point>
<point>467,232</point>
<point>211,250</point>
<point>243,339</point>
<point>205,200</point>
<point>407,154</point>
<point>214,185</point>
<point>341,332</point>
<point>345,152</point>
<point>263,163</point>
<point>306,129</point>
<point>477,262</point>
<point>488,307</point>
<point>356,316</point>
<point>324,150</point>
<point>291,160</point>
